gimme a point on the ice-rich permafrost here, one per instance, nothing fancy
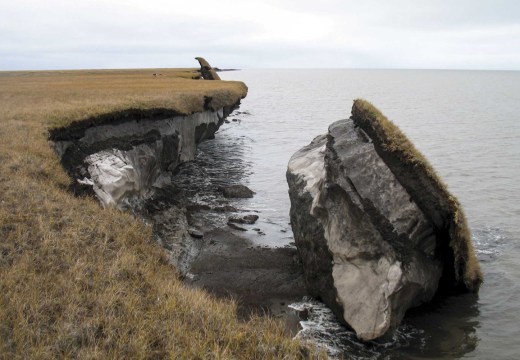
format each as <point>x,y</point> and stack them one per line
<point>376,229</point>
<point>127,158</point>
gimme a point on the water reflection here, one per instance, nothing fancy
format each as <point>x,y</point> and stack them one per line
<point>448,328</point>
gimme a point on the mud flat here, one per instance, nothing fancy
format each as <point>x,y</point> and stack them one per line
<point>261,279</point>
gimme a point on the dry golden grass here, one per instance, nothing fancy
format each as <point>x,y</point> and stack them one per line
<point>393,142</point>
<point>77,281</point>
<point>66,96</point>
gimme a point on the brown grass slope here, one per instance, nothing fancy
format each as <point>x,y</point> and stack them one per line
<point>80,282</point>
<point>431,194</point>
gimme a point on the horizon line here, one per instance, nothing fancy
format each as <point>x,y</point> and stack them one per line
<point>264,68</point>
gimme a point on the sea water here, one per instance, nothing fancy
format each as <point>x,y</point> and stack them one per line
<point>467,123</point>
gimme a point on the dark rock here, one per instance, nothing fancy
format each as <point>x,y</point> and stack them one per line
<point>238,191</point>
<point>248,219</point>
<point>196,233</point>
<point>370,247</point>
<point>236,220</point>
<point>236,227</point>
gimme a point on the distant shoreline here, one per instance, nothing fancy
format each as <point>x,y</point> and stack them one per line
<point>222,70</point>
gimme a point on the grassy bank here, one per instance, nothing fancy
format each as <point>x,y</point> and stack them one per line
<point>77,281</point>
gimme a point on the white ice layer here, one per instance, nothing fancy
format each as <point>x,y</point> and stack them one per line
<point>121,176</point>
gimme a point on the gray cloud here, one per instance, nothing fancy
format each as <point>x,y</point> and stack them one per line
<point>473,34</point>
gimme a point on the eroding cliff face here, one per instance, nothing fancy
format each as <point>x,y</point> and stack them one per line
<point>123,163</point>
<point>128,163</point>
<point>369,250</point>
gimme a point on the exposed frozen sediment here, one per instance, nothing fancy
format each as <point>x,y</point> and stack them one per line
<point>124,162</point>
<point>128,164</point>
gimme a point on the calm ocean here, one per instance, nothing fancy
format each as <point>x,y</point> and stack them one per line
<point>467,123</point>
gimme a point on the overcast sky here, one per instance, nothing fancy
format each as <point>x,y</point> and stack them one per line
<point>438,34</point>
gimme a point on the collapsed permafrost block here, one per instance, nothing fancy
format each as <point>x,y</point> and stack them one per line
<point>376,229</point>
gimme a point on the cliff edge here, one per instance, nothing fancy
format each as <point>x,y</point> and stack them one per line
<point>127,159</point>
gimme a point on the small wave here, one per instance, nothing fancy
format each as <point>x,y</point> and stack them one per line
<point>320,327</point>
<point>489,242</point>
